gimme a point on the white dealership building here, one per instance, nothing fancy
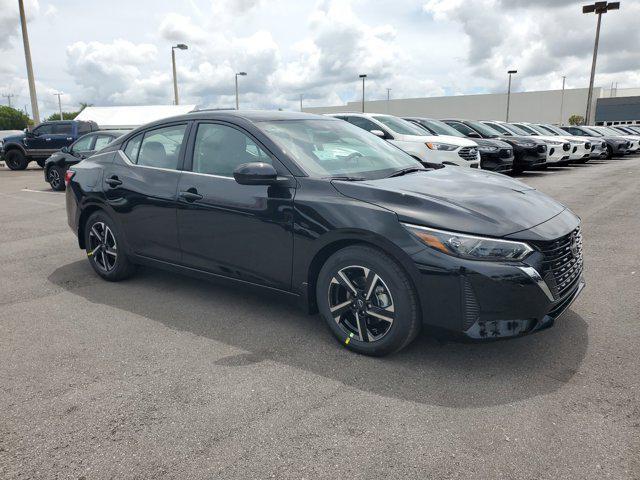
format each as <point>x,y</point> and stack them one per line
<point>609,106</point>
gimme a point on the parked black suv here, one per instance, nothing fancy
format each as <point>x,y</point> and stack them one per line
<point>45,139</point>
<point>529,152</point>
<point>322,210</point>
<point>495,155</point>
<point>58,163</point>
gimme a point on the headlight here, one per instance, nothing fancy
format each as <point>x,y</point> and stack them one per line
<point>441,146</point>
<point>487,148</point>
<point>470,247</point>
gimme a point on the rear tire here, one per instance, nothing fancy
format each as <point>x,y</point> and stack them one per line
<point>15,160</point>
<point>55,177</point>
<point>367,300</point>
<point>105,248</point>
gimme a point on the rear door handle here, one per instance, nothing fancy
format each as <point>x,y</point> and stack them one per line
<point>113,181</point>
<point>190,195</point>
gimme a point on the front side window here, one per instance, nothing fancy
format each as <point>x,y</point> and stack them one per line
<point>330,148</point>
<point>46,129</point>
<point>160,148</point>
<point>83,144</point>
<point>220,149</point>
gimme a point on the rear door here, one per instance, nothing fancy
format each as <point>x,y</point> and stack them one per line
<point>141,185</point>
<point>239,231</point>
<point>62,135</point>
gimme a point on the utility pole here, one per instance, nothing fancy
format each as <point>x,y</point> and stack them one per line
<point>510,72</point>
<point>8,97</point>
<point>59,104</point>
<point>562,99</point>
<point>599,8</point>
<point>363,76</point>
<point>388,99</point>
<point>27,57</point>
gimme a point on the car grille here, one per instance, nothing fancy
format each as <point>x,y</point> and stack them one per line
<point>563,263</point>
<point>471,307</point>
<point>469,153</point>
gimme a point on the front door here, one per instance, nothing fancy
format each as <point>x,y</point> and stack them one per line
<point>239,231</point>
<point>40,142</point>
<point>140,186</point>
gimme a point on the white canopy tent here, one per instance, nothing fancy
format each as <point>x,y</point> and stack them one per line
<point>113,118</point>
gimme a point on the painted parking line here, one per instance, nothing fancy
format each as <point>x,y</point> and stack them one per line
<point>39,191</point>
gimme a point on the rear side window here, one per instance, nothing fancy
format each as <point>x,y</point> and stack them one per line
<point>102,141</point>
<point>84,127</point>
<point>161,147</point>
<point>62,129</point>
<point>133,147</point>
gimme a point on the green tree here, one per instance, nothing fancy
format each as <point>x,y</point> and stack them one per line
<point>65,116</point>
<point>576,120</point>
<point>12,119</point>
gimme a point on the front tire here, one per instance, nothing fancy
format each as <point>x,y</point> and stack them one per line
<point>55,177</point>
<point>104,246</point>
<point>15,160</point>
<point>368,301</point>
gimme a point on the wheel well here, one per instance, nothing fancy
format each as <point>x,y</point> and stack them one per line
<point>321,257</point>
<point>84,216</point>
<point>13,146</point>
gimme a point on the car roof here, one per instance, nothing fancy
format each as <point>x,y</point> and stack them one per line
<point>252,115</point>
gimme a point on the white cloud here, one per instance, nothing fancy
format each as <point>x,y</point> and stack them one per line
<point>10,19</point>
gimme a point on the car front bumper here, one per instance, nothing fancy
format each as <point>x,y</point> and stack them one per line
<point>497,161</point>
<point>485,300</point>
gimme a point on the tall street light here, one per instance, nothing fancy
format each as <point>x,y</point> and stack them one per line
<point>180,46</point>
<point>510,72</point>
<point>599,8</point>
<point>564,78</point>
<point>242,74</point>
<point>388,98</point>
<point>363,76</point>
<point>59,104</point>
<point>301,95</point>
<point>27,56</point>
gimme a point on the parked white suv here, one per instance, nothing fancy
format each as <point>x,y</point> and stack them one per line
<point>578,149</point>
<point>593,147</point>
<point>415,141</point>
<point>557,150</point>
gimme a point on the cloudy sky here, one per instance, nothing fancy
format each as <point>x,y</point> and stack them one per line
<point>119,52</point>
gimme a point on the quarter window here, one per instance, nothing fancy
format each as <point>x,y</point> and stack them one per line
<point>220,149</point>
<point>132,148</point>
<point>161,147</point>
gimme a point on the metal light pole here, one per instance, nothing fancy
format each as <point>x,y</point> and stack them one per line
<point>388,99</point>
<point>27,56</point>
<point>562,99</point>
<point>363,76</point>
<point>180,46</point>
<point>8,97</point>
<point>242,74</point>
<point>599,8</point>
<point>301,102</point>
<point>510,72</point>
<point>59,104</point>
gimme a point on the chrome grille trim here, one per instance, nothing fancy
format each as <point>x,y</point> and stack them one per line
<point>469,154</point>
<point>562,267</point>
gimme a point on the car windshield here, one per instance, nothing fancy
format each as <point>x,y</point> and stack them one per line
<point>331,148</point>
<point>529,129</point>
<point>592,132</point>
<point>609,131</point>
<point>500,128</point>
<point>551,129</point>
<point>399,125</point>
<point>516,129</point>
<point>484,130</point>
<point>440,128</point>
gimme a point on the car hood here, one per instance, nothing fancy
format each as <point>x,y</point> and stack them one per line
<point>14,138</point>
<point>517,139</point>
<point>458,199</point>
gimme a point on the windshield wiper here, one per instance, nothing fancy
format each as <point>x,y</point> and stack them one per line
<point>404,171</point>
<point>348,179</point>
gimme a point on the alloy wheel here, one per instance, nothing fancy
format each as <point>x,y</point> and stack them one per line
<point>361,303</point>
<point>102,246</point>
<point>54,178</point>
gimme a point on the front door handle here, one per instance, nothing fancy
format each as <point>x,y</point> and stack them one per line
<point>190,195</point>
<point>47,139</point>
<point>113,181</point>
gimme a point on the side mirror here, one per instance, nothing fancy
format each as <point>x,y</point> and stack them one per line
<point>378,133</point>
<point>474,135</point>
<point>28,133</point>
<point>65,150</point>
<point>255,173</point>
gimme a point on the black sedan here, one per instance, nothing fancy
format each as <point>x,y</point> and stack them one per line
<point>495,155</point>
<point>529,153</point>
<point>57,164</point>
<point>336,217</point>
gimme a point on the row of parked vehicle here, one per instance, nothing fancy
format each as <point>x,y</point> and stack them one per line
<point>495,145</point>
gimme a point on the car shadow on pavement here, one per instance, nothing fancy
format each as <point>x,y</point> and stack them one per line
<point>271,328</point>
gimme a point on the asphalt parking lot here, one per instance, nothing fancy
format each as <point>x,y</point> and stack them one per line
<point>165,376</point>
